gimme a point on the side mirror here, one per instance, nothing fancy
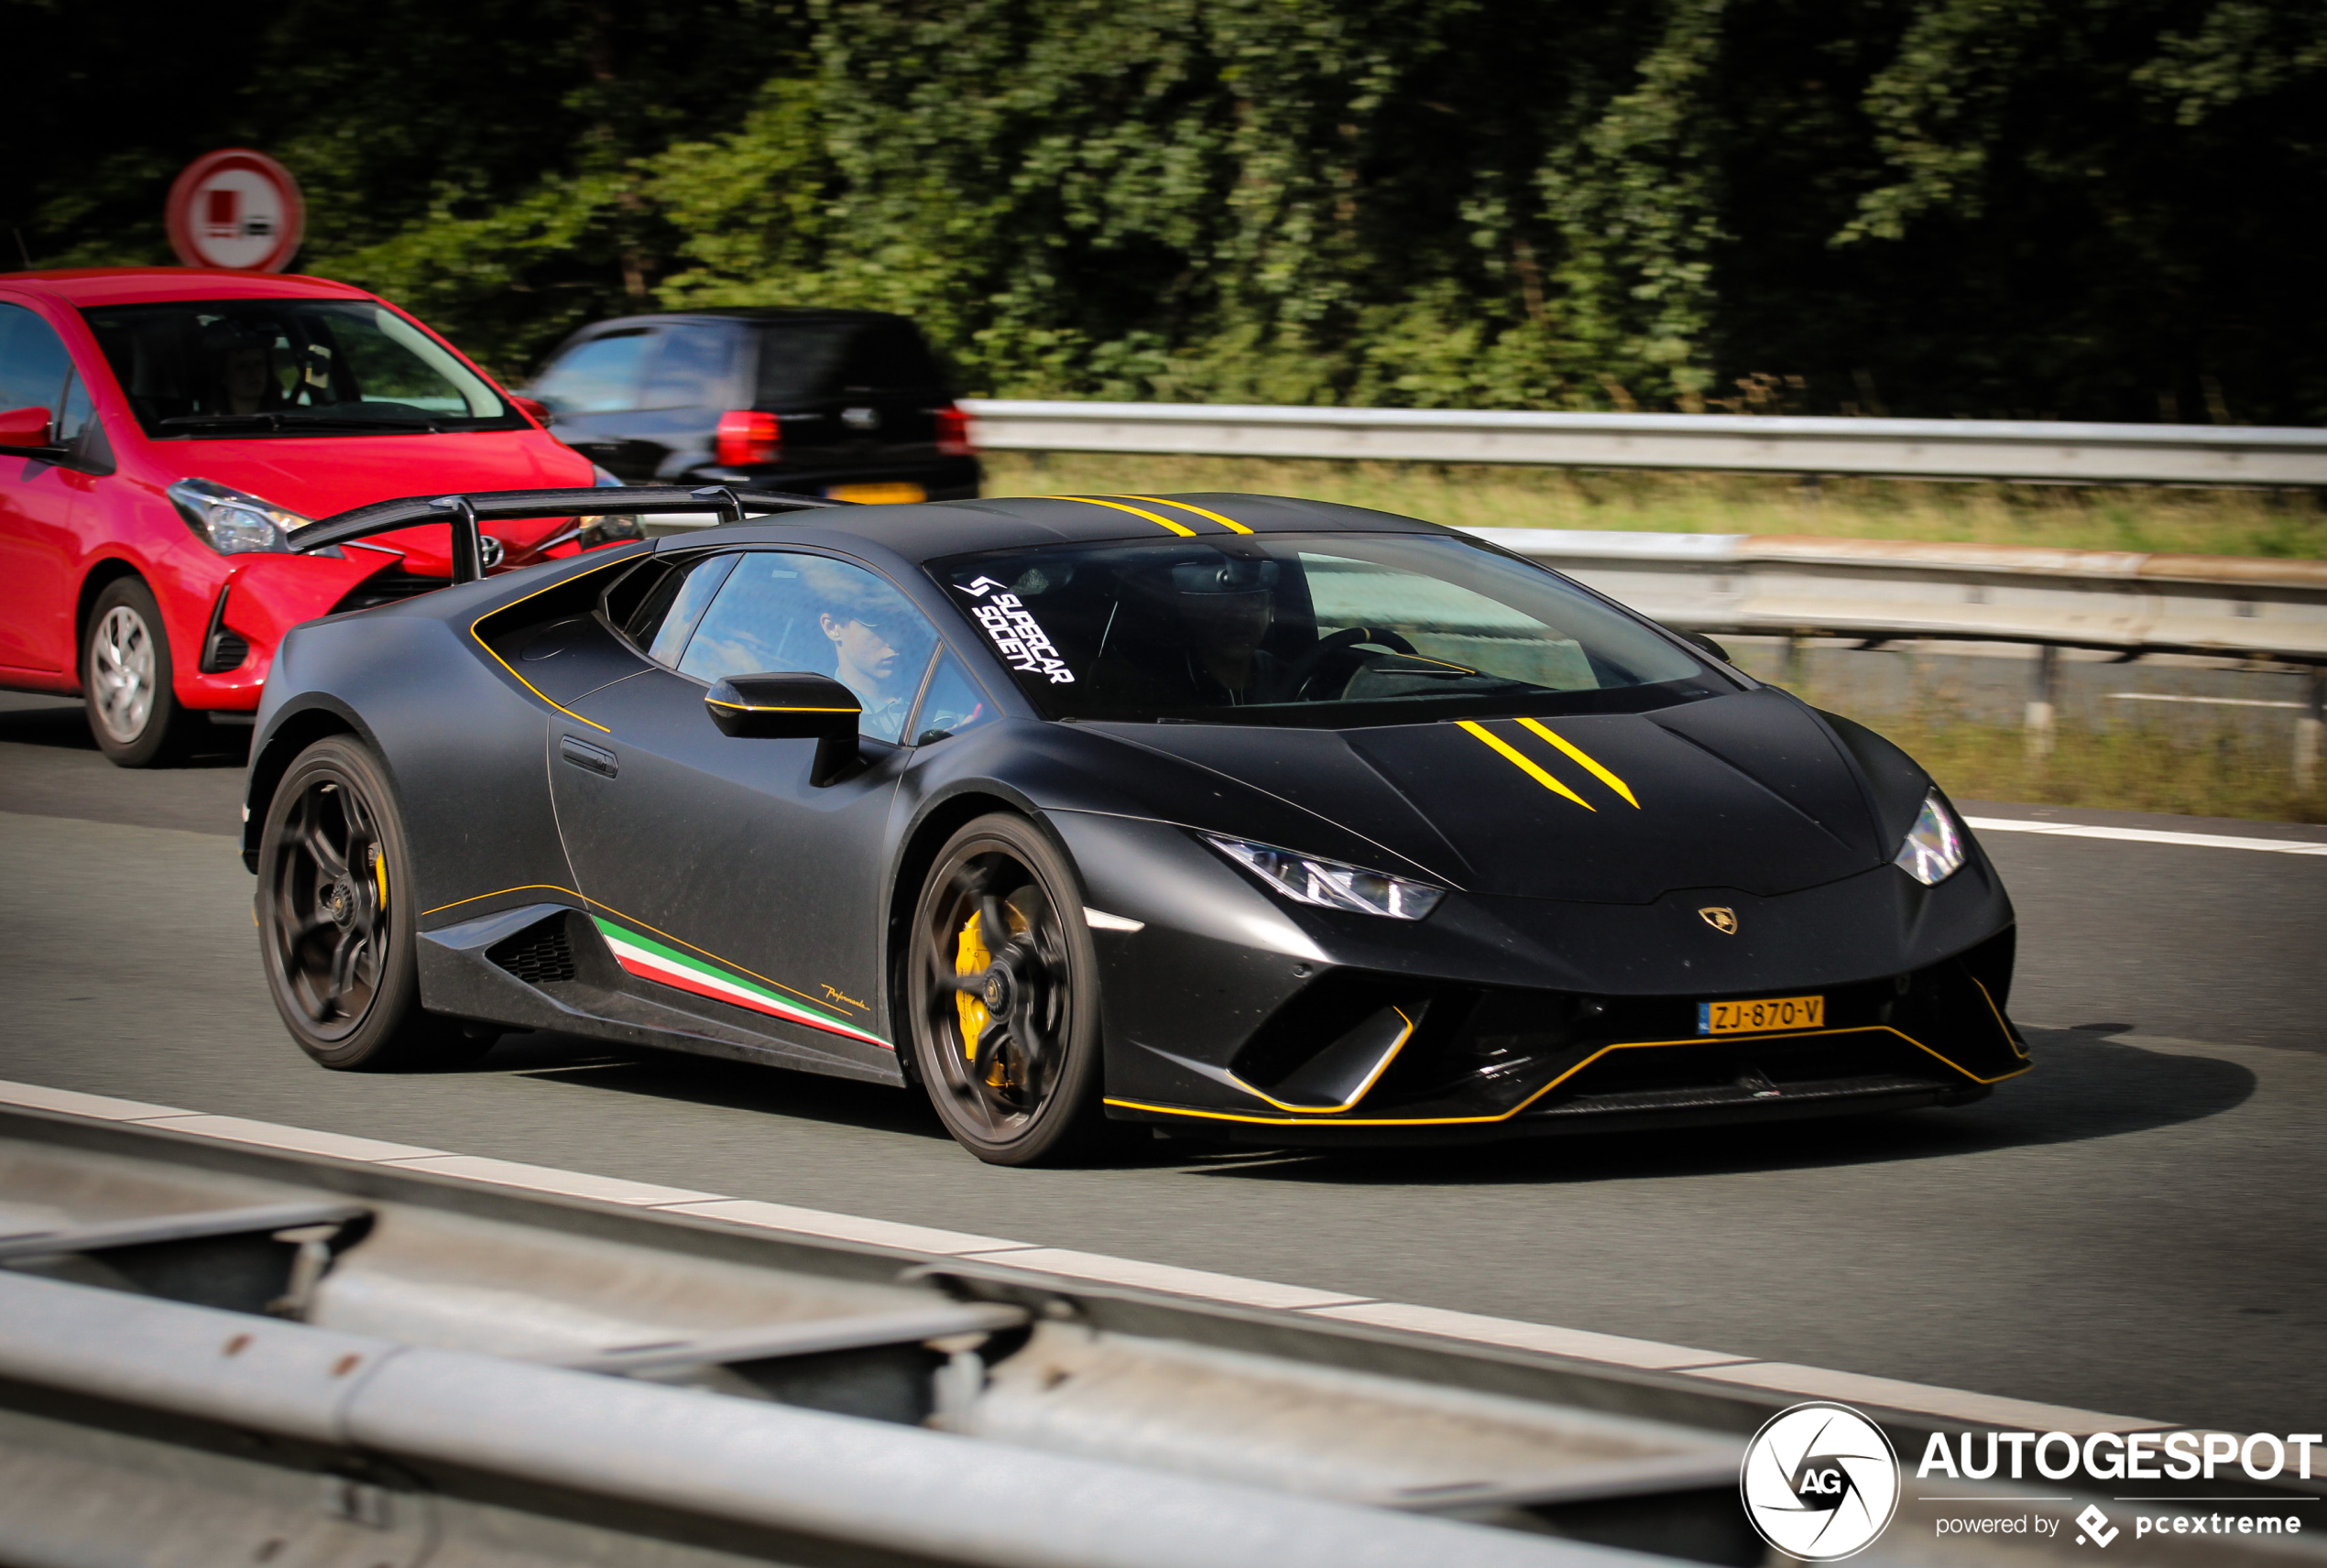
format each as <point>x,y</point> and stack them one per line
<point>29,432</point>
<point>532,409</point>
<point>792,707</point>
<point>1704,642</point>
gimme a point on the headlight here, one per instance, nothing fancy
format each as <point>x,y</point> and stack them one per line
<point>1934,848</point>
<point>1329,885</point>
<point>230,522</point>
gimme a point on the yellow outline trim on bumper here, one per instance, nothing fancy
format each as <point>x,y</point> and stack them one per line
<point>1506,1116</point>
<point>2010,1034</point>
<point>1371,1078</point>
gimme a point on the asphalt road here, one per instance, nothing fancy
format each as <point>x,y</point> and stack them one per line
<point>2135,1227</point>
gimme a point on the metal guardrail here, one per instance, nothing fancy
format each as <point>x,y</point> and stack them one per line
<point>752,1466</point>
<point>2036,451</point>
<point>1900,589</point>
<point>2123,602</point>
<point>213,1351</point>
<point>207,1348</point>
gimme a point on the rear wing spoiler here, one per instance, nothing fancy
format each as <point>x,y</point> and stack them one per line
<point>466,511</point>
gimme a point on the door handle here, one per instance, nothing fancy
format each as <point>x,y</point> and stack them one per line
<point>582,755</point>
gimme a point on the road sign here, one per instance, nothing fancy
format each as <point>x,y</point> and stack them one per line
<point>236,208</point>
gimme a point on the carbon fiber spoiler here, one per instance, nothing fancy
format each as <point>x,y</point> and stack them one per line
<point>465,512</point>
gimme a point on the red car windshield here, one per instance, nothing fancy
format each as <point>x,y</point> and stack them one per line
<point>211,369</point>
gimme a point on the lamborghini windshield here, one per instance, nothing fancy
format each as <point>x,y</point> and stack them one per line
<point>1334,631</point>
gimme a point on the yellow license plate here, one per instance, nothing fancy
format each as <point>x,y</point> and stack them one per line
<point>878,495</point>
<point>1768,1013</point>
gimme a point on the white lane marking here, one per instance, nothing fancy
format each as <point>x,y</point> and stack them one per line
<point>2146,835</point>
<point>1106,1270</point>
<point>299,1141</point>
<point>72,1103</point>
<point>2209,701</point>
<point>1956,1404</point>
<point>843,1227</point>
<point>1579,1343</point>
<point>1510,1333</point>
<point>548,1179</point>
<point>1099,919</point>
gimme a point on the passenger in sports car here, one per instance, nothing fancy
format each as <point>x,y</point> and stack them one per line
<point>860,618</point>
<point>779,612</point>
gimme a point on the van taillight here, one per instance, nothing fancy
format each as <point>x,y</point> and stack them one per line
<point>748,439</point>
<point>953,433</point>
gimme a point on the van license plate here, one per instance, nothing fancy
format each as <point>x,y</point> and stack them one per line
<point>1768,1013</point>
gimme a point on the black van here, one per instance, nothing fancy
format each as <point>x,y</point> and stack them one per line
<point>847,403</point>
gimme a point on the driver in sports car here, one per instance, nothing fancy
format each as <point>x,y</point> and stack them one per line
<point>1227,605</point>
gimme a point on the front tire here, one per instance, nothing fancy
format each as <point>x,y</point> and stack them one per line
<point>1005,1034</point>
<point>335,920</point>
<point>127,675</point>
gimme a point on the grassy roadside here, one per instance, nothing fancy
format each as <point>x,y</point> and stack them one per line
<point>2204,522</point>
<point>2130,768</point>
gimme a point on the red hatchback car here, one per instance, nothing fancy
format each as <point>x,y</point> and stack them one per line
<point>162,427</point>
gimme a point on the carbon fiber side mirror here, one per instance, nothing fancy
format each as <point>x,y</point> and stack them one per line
<point>790,707</point>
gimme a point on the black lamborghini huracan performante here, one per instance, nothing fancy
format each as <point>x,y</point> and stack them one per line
<point>1243,818</point>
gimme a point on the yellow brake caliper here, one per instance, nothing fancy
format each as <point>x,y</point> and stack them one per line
<point>971,957</point>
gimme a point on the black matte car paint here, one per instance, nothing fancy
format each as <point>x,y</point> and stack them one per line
<point>1572,917</point>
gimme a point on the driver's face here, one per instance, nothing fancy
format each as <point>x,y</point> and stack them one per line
<point>863,648</point>
<point>246,370</point>
<point>1228,622</point>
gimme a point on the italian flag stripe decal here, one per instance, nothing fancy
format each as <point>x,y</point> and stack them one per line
<point>651,960</point>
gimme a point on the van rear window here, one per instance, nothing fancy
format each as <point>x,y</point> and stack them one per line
<point>807,361</point>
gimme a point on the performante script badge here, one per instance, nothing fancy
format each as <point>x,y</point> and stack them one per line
<point>1820,1482</point>
<point>1720,918</point>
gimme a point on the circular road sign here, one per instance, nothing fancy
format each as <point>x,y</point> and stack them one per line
<point>236,208</point>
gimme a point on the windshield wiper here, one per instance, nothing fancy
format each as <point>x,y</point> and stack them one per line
<point>290,423</point>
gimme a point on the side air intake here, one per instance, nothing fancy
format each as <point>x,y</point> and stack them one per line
<point>537,956</point>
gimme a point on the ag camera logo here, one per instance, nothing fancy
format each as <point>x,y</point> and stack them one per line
<point>1820,1482</point>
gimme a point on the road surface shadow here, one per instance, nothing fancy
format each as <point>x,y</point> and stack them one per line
<point>60,723</point>
<point>50,767</point>
<point>575,1062</point>
<point>2085,1086</point>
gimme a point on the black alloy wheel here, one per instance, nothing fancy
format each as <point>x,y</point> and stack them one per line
<point>336,929</point>
<point>1005,1030</point>
<point>127,675</point>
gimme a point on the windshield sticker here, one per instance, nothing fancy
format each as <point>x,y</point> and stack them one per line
<point>1016,635</point>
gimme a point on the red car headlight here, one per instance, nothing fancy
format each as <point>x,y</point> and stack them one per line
<point>231,521</point>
